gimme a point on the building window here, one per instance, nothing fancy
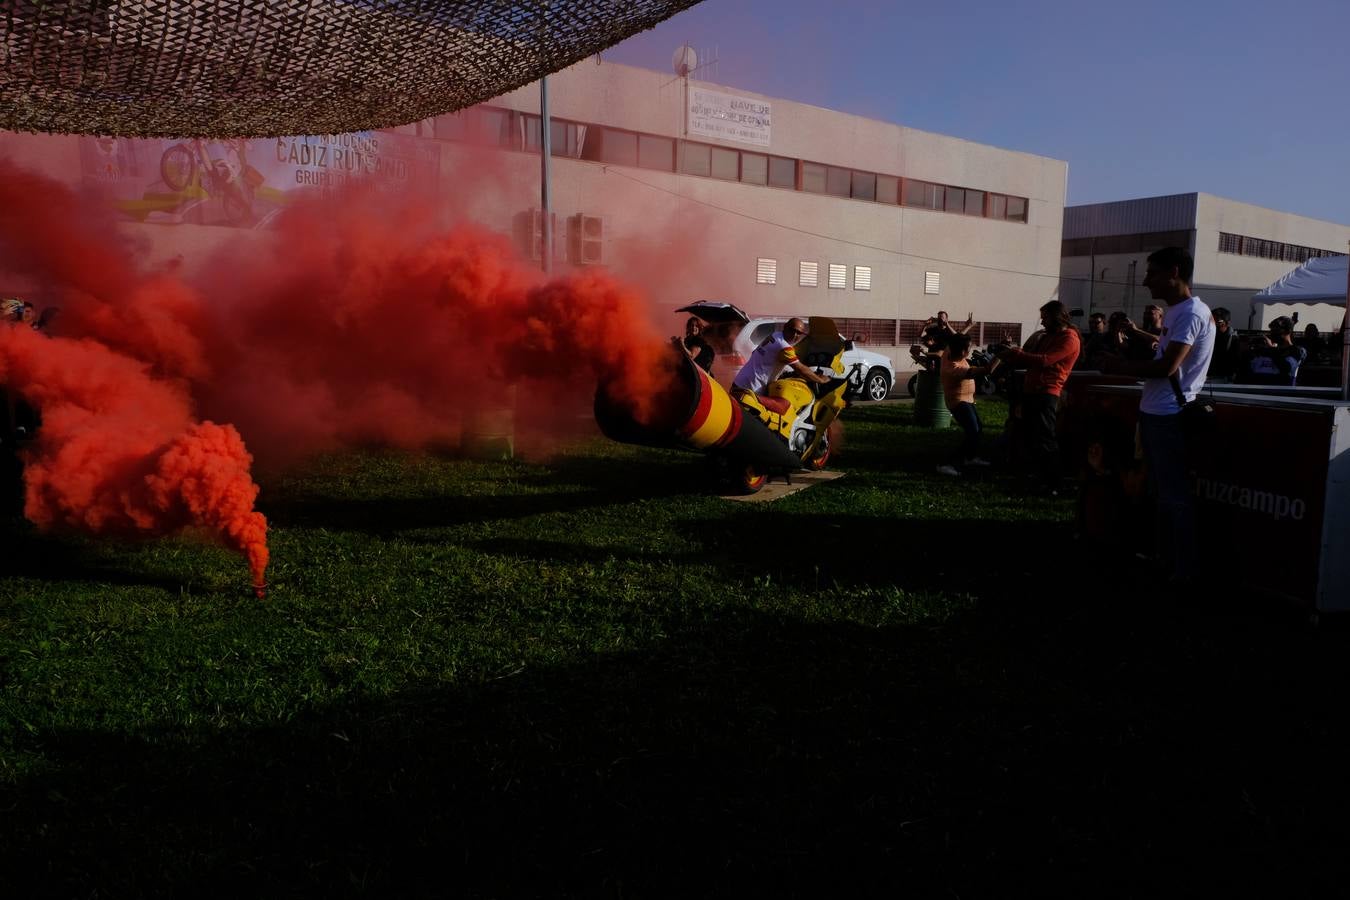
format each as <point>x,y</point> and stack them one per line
<point>620,147</point>
<point>932,282</point>
<point>478,125</point>
<point>726,164</point>
<point>864,186</point>
<point>862,278</point>
<point>452,126</point>
<point>813,177</point>
<point>509,129</point>
<point>923,194</point>
<point>808,274</point>
<point>611,146</point>
<point>656,152</point>
<point>493,127</point>
<point>1264,249</point>
<point>766,271</point>
<point>838,276</point>
<point>565,138</point>
<point>888,189</point>
<point>1001,333</point>
<point>695,159</point>
<point>782,172</point>
<point>871,331</point>
<point>754,168</point>
<point>838,181</point>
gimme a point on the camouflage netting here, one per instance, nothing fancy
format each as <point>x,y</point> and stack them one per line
<point>264,68</point>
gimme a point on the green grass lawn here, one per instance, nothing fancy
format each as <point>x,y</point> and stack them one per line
<point>591,676</point>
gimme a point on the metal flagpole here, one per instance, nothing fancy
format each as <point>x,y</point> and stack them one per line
<point>545,187</point>
<point>545,155</point>
<point>1345,340</point>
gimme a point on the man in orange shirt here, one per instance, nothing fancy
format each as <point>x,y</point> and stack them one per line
<point>1047,370</point>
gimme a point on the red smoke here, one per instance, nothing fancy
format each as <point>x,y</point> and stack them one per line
<point>355,319</point>
<point>376,327</point>
<point>118,452</point>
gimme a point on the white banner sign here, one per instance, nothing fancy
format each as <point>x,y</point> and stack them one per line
<point>728,117</point>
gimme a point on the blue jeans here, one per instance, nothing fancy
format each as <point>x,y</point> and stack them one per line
<point>969,420</point>
<point>1165,455</point>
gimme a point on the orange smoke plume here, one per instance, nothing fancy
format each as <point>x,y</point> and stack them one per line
<point>378,327</point>
<point>118,453</point>
<point>358,318</point>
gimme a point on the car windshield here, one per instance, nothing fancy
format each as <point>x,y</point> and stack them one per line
<point>762,332</point>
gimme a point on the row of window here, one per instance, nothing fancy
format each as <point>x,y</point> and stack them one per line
<point>1108,244</point>
<point>808,274</point>
<point>600,143</point>
<point>1259,247</point>
<point>909,331</point>
<point>903,332</point>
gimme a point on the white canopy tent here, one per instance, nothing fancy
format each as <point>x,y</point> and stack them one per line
<point>1319,283</point>
<point>1323,280</point>
<point>1320,280</point>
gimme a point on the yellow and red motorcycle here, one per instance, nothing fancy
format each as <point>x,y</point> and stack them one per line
<point>798,411</point>
<point>750,439</point>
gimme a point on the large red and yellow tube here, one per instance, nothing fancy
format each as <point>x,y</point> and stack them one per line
<point>705,418</point>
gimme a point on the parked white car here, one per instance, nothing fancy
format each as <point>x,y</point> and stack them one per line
<point>734,336</point>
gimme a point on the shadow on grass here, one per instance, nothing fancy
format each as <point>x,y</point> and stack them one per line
<point>56,558</point>
<point>987,755</point>
<point>601,482</point>
<point>953,554</point>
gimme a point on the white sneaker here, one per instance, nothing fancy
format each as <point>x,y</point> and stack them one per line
<point>947,470</point>
<point>977,461</point>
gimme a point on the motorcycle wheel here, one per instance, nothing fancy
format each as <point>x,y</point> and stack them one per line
<point>913,385</point>
<point>825,449</point>
<point>821,458</point>
<point>752,479</point>
<point>176,167</point>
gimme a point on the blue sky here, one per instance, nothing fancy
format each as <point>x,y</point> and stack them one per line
<point>1248,100</point>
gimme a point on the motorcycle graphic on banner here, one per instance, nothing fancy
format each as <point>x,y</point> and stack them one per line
<point>245,183</point>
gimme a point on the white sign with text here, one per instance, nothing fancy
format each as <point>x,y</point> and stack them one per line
<point>728,117</point>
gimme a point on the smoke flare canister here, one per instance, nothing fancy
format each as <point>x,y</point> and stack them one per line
<point>930,404</point>
<point>699,414</point>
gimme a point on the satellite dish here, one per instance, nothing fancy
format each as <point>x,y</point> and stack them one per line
<point>684,61</point>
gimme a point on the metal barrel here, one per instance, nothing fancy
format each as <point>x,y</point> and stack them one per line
<point>930,406</point>
<point>490,432</point>
<point>699,415</point>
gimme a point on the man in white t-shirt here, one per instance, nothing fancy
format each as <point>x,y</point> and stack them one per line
<point>1184,350</point>
<point>771,357</point>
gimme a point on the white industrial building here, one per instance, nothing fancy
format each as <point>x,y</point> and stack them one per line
<point>782,207</point>
<point>694,190</point>
<point>1239,249</point>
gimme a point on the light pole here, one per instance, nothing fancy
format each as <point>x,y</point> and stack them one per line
<point>545,185</point>
<point>545,154</point>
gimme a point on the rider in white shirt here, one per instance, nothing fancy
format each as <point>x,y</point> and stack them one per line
<point>770,358</point>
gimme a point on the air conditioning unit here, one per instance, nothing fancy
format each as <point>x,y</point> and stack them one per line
<point>585,237</point>
<point>530,234</point>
